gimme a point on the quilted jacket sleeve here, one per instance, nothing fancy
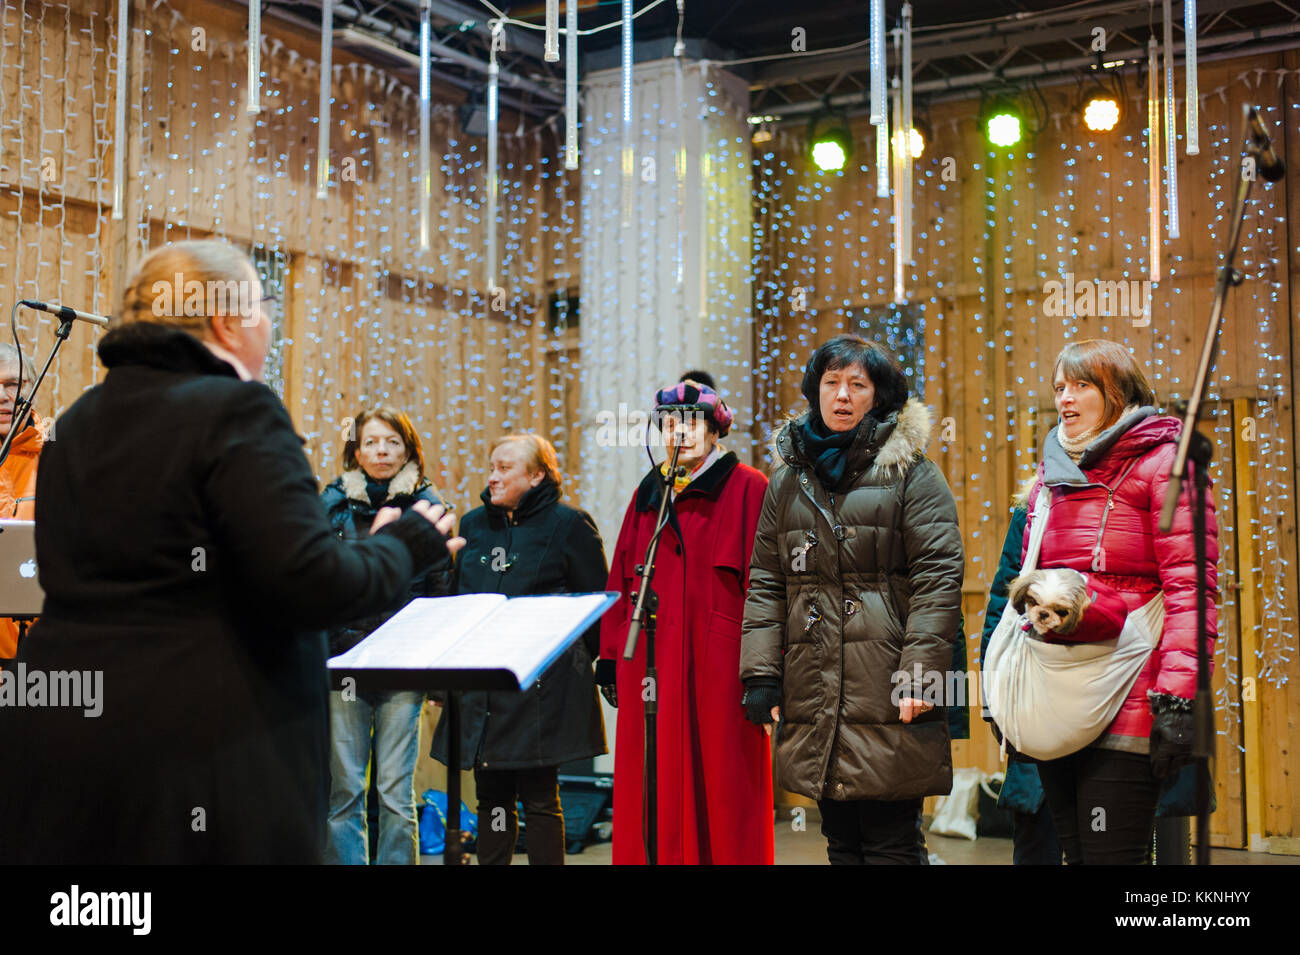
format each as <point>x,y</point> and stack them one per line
<point>763,631</point>
<point>1176,566</point>
<point>936,565</point>
<point>1008,570</point>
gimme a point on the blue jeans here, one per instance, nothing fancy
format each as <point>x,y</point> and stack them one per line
<point>394,720</point>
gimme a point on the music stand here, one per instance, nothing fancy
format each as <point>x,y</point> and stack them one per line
<point>453,680</point>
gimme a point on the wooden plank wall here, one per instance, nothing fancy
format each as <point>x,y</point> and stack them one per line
<point>367,316</point>
<point>987,238</point>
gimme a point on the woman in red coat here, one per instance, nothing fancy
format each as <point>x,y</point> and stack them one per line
<point>1106,466</point>
<point>715,774</point>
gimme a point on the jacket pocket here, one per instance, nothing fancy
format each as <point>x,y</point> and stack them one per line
<point>877,620</point>
<point>722,653</point>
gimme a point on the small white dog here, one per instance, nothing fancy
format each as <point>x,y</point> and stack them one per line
<point>1053,600</point>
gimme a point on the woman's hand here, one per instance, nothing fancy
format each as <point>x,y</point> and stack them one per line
<point>776,718</point>
<point>909,708</point>
<point>385,515</point>
<point>762,702</point>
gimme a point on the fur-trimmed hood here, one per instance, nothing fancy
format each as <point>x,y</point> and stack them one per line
<point>406,481</point>
<point>887,447</point>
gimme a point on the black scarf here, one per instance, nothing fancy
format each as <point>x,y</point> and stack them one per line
<point>377,491</point>
<point>826,449</point>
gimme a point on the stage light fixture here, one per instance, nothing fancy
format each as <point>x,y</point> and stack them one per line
<point>1003,128</point>
<point>915,142</point>
<point>1101,114</point>
<point>829,142</point>
<point>831,151</point>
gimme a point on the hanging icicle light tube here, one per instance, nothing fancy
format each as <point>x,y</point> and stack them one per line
<point>254,57</point>
<point>1192,111</point>
<point>551,47</point>
<point>494,81</point>
<point>877,62</point>
<point>903,148</point>
<point>629,159</point>
<point>1171,127</point>
<point>571,84</point>
<point>426,171</point>
<point>1153,155</point>
<point>323,112</point>
<point>882,161</point>
<point>119,114</point>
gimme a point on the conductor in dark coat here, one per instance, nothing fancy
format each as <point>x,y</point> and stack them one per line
<point>187,561</point>
<point>523,541</point>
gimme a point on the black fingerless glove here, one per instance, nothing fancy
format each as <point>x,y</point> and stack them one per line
<point>607,680</point>
<point>426,543</point>
<point>761,694</point>
<point>1173,728</point>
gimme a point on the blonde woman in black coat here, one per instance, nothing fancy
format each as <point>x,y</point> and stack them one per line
<point>188,564</point>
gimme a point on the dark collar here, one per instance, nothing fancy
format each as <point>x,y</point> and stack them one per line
<point>160,346</point>
<point>534,501</point>
<point>872,433</point>
<point>708,484</point>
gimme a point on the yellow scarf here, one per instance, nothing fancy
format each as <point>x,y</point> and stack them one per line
<point>680,483</point>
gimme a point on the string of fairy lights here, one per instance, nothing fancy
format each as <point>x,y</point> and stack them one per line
<point>391,267</point>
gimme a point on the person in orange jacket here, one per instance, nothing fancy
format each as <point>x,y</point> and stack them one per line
<point>18,472</point>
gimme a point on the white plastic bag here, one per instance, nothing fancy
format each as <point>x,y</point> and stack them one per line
<point>956,813</point>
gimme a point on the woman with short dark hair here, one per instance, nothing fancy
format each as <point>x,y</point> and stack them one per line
<point>854,603</point>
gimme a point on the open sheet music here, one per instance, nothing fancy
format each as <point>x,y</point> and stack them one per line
<point>485,641</point>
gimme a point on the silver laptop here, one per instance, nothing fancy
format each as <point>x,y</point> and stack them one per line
<point>20,591</point>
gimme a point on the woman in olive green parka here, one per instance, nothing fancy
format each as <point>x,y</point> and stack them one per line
<point>853,607</point>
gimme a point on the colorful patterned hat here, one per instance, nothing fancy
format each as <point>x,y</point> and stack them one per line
<point>690,396</point>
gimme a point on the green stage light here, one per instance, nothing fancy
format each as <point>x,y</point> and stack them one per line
<point>1003,128</point>
<point>829,154</point>
<point>829,142</point>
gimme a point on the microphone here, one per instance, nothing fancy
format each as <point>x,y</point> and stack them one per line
<point>65,313</point>
<point>1269,163</point>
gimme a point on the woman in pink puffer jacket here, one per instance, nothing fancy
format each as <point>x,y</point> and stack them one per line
<point>1106,465</point>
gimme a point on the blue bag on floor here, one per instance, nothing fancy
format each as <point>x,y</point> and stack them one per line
<point>433,822</point>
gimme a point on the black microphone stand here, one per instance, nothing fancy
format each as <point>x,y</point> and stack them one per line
<point>643,617</point>
<point>1196,448</point>
<point>23,405</point>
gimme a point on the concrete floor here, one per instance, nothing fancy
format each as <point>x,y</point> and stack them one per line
<point>809,848</point>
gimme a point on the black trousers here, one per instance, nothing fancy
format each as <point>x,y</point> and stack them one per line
<point>1103,803</point>
<point>873,832</point>
<point>498,821</point>
<point>1033,838</point>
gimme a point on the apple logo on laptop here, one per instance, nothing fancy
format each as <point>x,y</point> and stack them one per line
<point>27,568</point>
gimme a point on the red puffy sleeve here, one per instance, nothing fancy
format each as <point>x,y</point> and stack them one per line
<point>1176,567</point>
